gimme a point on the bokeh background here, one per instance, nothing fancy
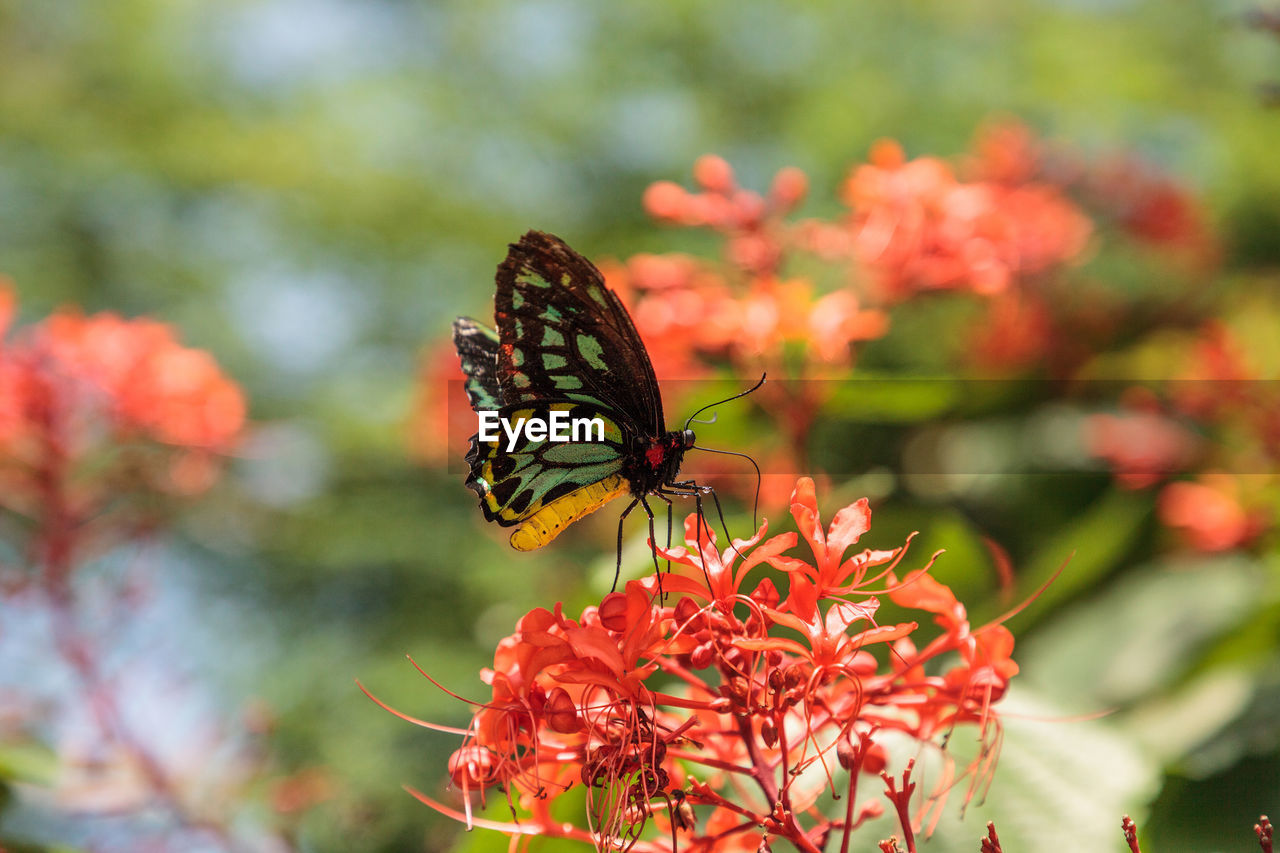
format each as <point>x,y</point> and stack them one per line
<point>312,189</point>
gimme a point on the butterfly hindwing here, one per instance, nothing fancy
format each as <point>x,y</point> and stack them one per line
<point>543,486</point>
<point>565,335</point>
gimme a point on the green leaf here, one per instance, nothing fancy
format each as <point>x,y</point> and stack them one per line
<point>27,762</point>
<point>894,399</point>
<point>1087,551</point>
<point>1057,778</point>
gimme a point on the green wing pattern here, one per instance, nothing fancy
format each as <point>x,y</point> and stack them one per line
<point>564,342</point>
<point>565,335</point>
<point>514,484</point>
<point>477,347</point>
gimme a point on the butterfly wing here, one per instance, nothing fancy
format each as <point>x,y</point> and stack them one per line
<point>541,487</point>
<point>565,335</point>
<point>477,347</point>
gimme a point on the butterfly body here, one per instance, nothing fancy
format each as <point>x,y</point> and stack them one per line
<point>564,344</point>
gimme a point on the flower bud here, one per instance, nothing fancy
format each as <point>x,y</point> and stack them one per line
<point>682,815</point>
<point>847,753</point>
<point>789,188</point>
<point>666,200</point>
<point>713,173</point>
<point>560,712</point>
<point>613,611</point>
<point>686,609</point>
<point>766,593</point>
<point>875,760</point>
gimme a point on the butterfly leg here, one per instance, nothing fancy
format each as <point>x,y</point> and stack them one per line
<point>653,542</point>
<point>688,489</point>
<point>617,570</point>
<point>667,501</point>
<point>698,491</point>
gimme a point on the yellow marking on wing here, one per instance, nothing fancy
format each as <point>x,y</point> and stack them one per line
<point>546,523</point>
<point>486,477</point>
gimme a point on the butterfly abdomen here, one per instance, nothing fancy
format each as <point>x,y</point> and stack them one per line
<point>546,523</point>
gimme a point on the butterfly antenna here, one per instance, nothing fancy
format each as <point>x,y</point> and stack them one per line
<point>726,400</point>
<point>708,422</point>
<point>755,506</point>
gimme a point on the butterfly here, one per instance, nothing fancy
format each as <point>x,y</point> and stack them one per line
<point>565,347</point>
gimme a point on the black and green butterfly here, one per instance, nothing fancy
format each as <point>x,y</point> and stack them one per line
<point>565,343</point>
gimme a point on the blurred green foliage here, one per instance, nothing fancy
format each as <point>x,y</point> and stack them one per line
<point>312,189</point>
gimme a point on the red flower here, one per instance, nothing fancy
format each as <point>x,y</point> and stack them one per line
<point>1210,513</point>
<point>132,373</point>
<point>148,413</point>
<point>442,421</point>
<point>1143,447</point>
<point>919,228</point>
<point>775,691</point>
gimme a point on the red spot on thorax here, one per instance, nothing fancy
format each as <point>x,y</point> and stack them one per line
<point>655,454</point>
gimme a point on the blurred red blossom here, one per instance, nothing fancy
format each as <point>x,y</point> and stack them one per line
<point>1016,333</point>
<point>133,373</point>
<point>1151,208</point>
<point>103,420</point>
<point>1143,447</point>
<point>441,419</point>
<point>1214,418</point>
<point>95,408</point>
<point>1210,512</point>
<point>1119,189</point>
<point>726,717</point>
<point>917,227</point>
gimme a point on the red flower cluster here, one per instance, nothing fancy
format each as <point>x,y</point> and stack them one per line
<point>123,394</point>
<point>917,227</point>
<point>752,313</point>
<point>725,717</point>
<point>132,372</point>
<point>1146,204</point>
<point>1217,395</point>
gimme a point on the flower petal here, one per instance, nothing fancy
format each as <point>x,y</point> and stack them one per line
<point>842,614</point>
<point>849,524</point>
<point>804,509</point>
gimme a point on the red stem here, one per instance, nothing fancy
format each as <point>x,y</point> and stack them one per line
<point>902,802</point>
<point>55,548</point>
<point>864,742</point>
<point>1130,833</point>
<point>764,778</point>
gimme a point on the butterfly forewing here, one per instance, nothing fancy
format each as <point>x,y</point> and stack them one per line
<point>565,335</point>
<point>477,347</point>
